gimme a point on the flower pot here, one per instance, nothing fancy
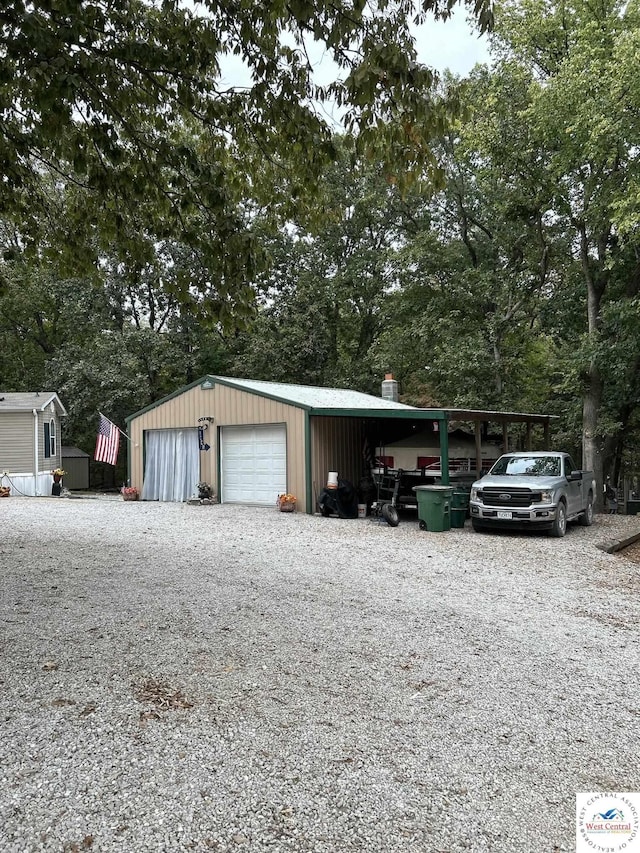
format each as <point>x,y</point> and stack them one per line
<point>286,506</point>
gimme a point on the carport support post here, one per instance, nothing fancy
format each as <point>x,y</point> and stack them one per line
<point>443,427</point>
<point>478,447</point>
<point>307,465</point>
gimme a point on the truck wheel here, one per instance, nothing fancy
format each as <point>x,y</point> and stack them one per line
<point>586,519</point>
<point>477,526</point>
<point>560,522</point>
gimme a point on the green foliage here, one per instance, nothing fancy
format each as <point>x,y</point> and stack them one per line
<point>328,281</point>
<point>125,107</point>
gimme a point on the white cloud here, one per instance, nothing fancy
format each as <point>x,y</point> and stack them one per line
<point>452,44</point>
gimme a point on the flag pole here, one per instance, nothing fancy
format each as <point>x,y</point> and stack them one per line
<point>115,425</point>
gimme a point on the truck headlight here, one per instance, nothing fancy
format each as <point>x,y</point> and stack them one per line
<point>546,498</point>
<point>474,493</point>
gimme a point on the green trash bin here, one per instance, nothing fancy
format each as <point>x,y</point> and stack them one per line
<point>434,507</point>
<point>459,507</point>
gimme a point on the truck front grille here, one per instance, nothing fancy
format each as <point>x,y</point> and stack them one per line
<point>509,498</point>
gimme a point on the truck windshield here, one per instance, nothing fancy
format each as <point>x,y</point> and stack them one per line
<point>531,466</point>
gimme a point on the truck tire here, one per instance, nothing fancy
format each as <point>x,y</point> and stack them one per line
<point>478,526</point>
<point>560,522</point>
<point>586,519</point>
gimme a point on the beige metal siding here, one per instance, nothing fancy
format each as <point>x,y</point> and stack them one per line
<point>228,407</point>
<point>336,445</point>
<point>16,442</point>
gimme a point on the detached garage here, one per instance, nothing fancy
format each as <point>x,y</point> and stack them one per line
<point>252,440</point>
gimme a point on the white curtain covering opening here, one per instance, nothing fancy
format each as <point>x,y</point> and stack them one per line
<point>172,465</point>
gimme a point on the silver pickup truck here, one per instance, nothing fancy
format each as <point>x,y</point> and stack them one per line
<point>542,490</point>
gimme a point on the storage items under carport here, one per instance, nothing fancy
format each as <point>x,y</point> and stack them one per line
<point>340,499</point>
<point>434,507</point>
<point>459,507</point>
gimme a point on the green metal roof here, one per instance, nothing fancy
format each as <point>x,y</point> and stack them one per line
<point>313,396</point>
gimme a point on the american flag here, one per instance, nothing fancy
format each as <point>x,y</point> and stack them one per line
<point>367,456</point>
<point>108,442</point>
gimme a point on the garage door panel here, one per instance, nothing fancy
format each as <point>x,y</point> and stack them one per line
<point>253,464</point>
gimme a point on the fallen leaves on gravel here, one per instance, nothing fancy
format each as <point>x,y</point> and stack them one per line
<point>76,847</point>
<point>160,694</point>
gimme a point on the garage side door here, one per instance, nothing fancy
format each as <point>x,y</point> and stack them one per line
<point>253,464</point>
<point>172,464</point>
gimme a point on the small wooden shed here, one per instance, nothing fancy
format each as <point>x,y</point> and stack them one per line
<point>76,466</point>
<point>30,440</point>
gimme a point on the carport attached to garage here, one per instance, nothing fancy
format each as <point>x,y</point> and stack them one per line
<point>254,440</point>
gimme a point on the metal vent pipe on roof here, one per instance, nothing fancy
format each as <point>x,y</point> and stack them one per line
<point>390,388</point>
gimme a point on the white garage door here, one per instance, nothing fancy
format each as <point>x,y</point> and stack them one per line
<point>253,464</point>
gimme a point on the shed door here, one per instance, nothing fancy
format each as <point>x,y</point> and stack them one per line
<point>253,464</point>
<point>172,464</point>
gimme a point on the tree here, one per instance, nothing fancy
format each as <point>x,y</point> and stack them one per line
<point>328,280</point>
<point>124,102</point>
<point>481,262</point>
<point>583,113</point>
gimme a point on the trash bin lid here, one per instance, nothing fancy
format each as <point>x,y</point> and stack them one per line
<point>432,488</point>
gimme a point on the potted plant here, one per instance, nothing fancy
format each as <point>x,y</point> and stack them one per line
<point>204,491</point>
<point>286,503</point>
<point>130,493</point>
<point>56,488</point>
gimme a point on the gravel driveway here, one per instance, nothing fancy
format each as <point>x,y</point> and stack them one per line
<point>229,678</point>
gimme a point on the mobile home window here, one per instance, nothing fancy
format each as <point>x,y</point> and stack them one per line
<point>49,439</point>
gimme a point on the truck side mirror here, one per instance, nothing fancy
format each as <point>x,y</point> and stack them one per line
<point>575,475</point>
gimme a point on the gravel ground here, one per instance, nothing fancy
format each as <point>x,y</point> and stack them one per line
<point>228,678</point>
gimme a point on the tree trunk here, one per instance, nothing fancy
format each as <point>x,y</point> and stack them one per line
<point>591,453</point>
<point>596,281</point>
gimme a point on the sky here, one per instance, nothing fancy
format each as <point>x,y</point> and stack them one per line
<point>451,45</point>
<point>442,45</point>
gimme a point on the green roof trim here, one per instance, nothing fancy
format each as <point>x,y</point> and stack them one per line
<point>408,412</point>
<point>278,398</point>
<point>166,399</point>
